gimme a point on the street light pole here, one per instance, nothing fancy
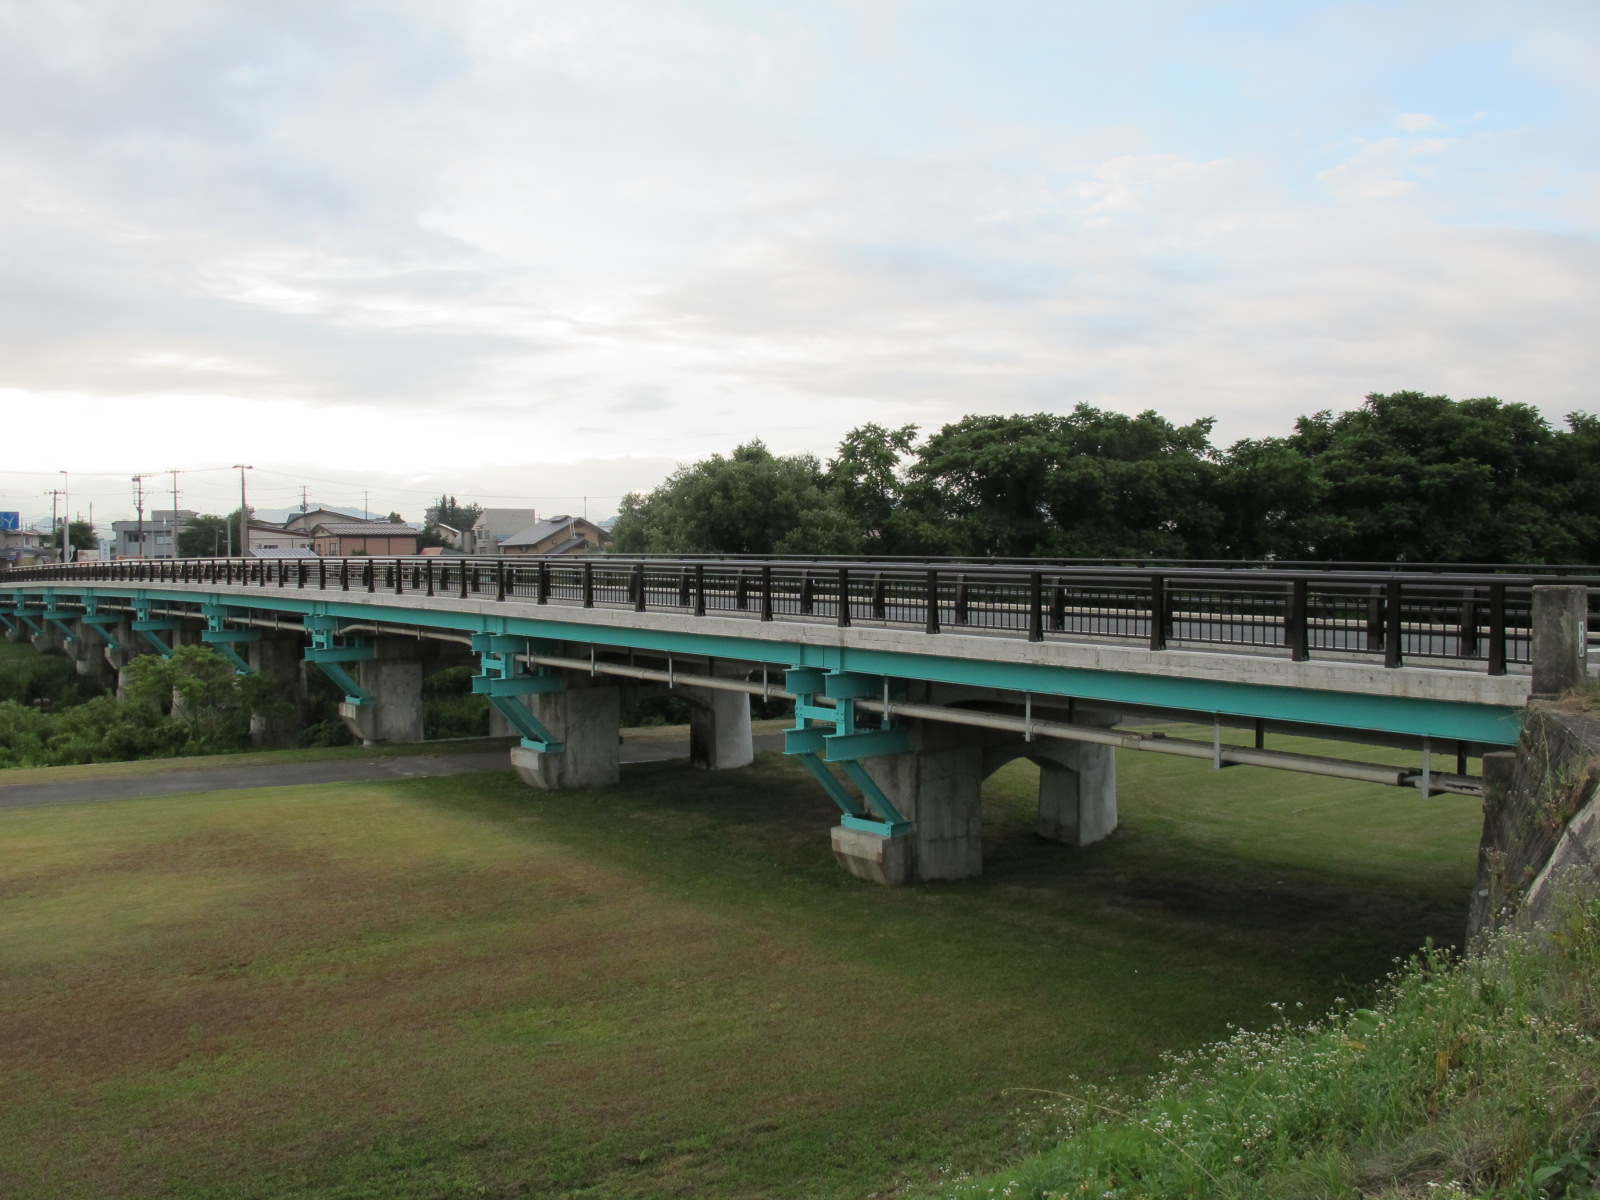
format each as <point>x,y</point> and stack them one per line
<point>66,521</point>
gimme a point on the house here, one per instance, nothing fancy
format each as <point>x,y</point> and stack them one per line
<point>340,539</point>
<point>26,547</point>
<point>152,537</point>
<point>277,552</point>
<point>557,535</point>
<point>495,525</point>
<point>307,519</point>
<point>266,536</point>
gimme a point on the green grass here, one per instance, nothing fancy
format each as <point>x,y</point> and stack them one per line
<point>457,987</point>
<point>27,677</point>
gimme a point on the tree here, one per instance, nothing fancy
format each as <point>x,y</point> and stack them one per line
<point>1409,477</point>
<point>751,502</point>
<point>867,478</point>
<point>209,536</point>
<point>1088,484</point>
<point>446,511</point>
<point>203,694</point>
<point>80,536</point>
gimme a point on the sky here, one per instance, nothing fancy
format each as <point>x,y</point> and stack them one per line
<point>533,252</point>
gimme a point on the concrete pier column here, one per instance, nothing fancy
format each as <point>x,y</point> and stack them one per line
<point>1560,639</point>
<point>587,720</point>
<point>719,729</point>
<point>393,678</point>
<point>938,787</point>
<point>278,657</point>
<point>89,654</point>
<point>1077,791</point>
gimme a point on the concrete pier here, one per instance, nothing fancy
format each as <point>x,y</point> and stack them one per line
<point>1560,640</point>
<point>587,720</point>
<point>719,729</point>
<point>277,657</point>
<point>393,678</point>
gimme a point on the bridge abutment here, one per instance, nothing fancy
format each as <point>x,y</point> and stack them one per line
<point>587,721</point>
<point>393,678</point>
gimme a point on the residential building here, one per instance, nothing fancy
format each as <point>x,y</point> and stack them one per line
<point>151,538</point>
<point>307,519</point>
<point>266,536</point>
<point>340,539</point>
<point>557,535</point>
<point>28,547</point>
<point>494,526</point>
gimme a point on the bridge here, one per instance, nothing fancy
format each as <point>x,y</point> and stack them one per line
<point>912,681</point>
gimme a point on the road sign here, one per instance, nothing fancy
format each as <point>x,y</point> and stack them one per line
<point>10,520</point>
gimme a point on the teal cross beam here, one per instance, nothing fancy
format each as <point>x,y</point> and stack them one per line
<point>151,628</point>
<point>503,677</point>
<point>846,744</point>
<point>330,655</point>
<point>218,635</point>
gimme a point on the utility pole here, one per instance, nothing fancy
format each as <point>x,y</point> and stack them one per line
<point>66,518</point>
<point>55,494</point>
<point>302,499</point>
<point>138,484</point>
<point>174,474</point>
<point>244,513</point>
<point>366,512</point>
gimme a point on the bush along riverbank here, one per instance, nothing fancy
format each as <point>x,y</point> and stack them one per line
<point>1466,1077</point>
<point>191,703</point>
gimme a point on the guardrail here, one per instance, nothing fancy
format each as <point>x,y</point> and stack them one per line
<point>1447,618</point>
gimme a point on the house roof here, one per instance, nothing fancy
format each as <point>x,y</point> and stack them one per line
<point>363,529</point>
<point>548,528</point>
<point>282,552</point>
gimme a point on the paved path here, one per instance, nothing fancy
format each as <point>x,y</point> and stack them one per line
<point>350,770</point>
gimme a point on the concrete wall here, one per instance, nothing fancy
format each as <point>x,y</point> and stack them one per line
<point>279,657</point>
<point>1540,817</point>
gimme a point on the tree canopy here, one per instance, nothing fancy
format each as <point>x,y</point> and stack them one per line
<point>1405,477</point>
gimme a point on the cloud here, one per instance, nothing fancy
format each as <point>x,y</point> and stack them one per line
<point>431,235</point>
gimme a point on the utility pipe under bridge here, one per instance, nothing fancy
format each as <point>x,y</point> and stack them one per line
<point>912,682</point>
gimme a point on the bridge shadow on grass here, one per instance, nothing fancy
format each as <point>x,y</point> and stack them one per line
<point>455,986</point>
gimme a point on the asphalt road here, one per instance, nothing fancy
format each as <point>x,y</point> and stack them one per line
<point>225,778</point>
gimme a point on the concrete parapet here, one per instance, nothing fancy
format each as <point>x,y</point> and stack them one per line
<point>1560,639</point>
<point>393,678</point>
<point>588,723</point>
<point>872,857</point>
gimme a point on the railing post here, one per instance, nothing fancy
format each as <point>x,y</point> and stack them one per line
<point>369,574</point>
<point>1497,629</point>
<point>766,593</point>
<point>399,578</point>
<point>961,599</point>
<point>1036,606</point>
<point>542,587</point>
<point>880,601</point>
<point>1393,625</point>
<point>930,600</point>
<point>427,569</point>
<point>699,590</point>
<point>807,594</point>
<point>300,573</point>
<point>844,596</point>
<point>461,581</point>
<point>588,584</point>
<point>741,592</point>
<point>1158,612</point>
<point>322,574</point>
<point>1295,634</point>
<point>500,579</point>
<point>638,587</point>
<point>1058,607</point>
<point>1467,635</point>
<point>683,588</point>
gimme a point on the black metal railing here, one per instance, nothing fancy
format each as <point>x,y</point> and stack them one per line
<point>1465,617</point>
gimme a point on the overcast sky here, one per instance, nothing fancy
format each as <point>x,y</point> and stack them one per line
<point>541,250</point>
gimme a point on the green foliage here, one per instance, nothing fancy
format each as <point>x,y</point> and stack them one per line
<point>1420,478</point>
<point>47,681</point>
<point>210,536</point>
<point>447,511</point>
<point>80,536</point>
<point>449,707</point>
<point>192,703</point>
<point>1466,1078</point>
<point>751,502</point>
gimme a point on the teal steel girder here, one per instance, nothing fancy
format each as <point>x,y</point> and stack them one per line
<point>328,655</point>
<point>816,747</point>
<point>503,677</point>
<point>1443,719</point>
<point>220,638</point>
<point>101,623</point>
<point>59,620</point>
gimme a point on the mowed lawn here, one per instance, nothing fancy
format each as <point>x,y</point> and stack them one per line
<point>457,987</point>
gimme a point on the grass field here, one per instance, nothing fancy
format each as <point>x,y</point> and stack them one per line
<point>455,987</point>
